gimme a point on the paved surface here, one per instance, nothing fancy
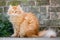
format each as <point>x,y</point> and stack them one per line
<point>29,38</point>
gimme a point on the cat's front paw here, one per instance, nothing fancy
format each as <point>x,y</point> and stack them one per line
<point>13,35</point>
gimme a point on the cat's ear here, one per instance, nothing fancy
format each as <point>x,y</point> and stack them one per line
<point>10,6</point>
<point>18,6</point>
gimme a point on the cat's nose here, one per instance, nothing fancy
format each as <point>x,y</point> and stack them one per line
<point>15,11</point>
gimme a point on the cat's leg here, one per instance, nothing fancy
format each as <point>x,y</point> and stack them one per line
<point>16,30</point>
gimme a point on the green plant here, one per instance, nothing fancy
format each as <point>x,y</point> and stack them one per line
<point>5,27</point>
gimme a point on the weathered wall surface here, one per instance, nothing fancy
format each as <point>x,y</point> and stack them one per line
<point>47,11</point>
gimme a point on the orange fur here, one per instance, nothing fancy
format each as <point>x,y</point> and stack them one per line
<point>24,24</point>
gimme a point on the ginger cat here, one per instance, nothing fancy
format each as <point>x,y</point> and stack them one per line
<point>24,24</point>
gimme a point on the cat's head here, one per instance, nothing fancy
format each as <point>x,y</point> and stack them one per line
<point>14,10</point>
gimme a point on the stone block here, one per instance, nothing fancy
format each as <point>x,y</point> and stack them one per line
<point>42,2</point>
<point>5,9</point>
<point>2,3</point>
<point>54,9</point>
<point>55,2</point>
<point>43,9</point>
<point>1,10</point>
<point>54,15</point>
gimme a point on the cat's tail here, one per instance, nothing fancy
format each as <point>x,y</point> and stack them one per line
<point>41,33</point>
<point>47,33</point>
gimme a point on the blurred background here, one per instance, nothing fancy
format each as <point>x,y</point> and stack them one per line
<point>46,11</point>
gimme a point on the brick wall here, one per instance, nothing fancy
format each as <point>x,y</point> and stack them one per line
<point>47,11</point>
